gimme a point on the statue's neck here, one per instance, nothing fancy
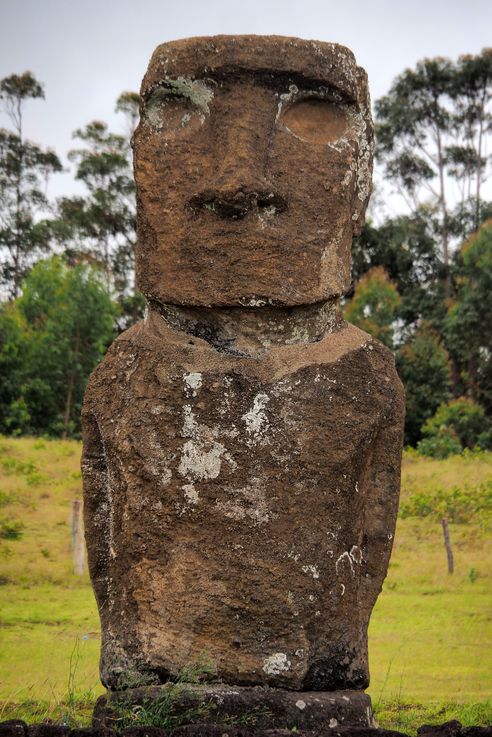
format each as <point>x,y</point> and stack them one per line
<point>249,331</point>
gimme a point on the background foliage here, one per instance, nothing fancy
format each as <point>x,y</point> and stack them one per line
<point>422,280</point>
<point>422,283</point>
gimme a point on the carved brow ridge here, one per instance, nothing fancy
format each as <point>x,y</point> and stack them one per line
<point>279,81</point>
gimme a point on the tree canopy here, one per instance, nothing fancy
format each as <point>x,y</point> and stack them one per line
<point>422,279</point>
<point>53,335</point>
<point>432,130</point>
<point>24,170</point>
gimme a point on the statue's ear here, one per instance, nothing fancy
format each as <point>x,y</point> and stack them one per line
<point>365,155</point>
<point>360,221</point>
<point>360,212</point>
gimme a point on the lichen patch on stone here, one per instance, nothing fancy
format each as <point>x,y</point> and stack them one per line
<point>247,501</point>
<point>256,420</point>
<point>201,455</point>
<point>196,91</point>
<point>276,664</point>
<point>344,557</point>
<point>193,381</point>
<point>199,461</point>
<point>190,493</point>
<point>312,570</point>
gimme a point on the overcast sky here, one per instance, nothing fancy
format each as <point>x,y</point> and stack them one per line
<point>88,51</point>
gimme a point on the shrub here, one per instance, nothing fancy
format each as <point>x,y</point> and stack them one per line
<point>441,445</point>
<point>457,504</point>
<point>460,423</point>
<point>10,529</point>
<point>6,498</point>
<point>423,366</point>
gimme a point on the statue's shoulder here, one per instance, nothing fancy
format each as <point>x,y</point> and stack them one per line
<point>134,362</point>
<point>349,344</point>
<point>121,354</point>
<point>355,339</point>
<point>362,357</point>
<point>368,357</point>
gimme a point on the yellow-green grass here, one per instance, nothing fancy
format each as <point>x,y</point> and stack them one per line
<point>430,634</point>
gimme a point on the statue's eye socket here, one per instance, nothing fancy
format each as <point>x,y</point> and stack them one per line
<point>316,121</point>
<point>178,105</point>
<point>171,112</point>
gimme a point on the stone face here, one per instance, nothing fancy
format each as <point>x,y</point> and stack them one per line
<point>253,163</point>
<point>242,443</point>
<point>240,506</point>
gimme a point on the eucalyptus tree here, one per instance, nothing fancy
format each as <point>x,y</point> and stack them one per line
<point>468,326</point>
<point>51,338</point>
<point>24,171</point>
<point>433,128</point>
<point>100,224</point>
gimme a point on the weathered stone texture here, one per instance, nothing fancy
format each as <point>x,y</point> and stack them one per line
<point>241,506</point>
<point>258,707</point>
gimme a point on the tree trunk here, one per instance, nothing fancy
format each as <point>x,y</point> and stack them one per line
<point>68,404</point>
<point>17,247</point>
<point>18,207</point>
<point>447,544</point>
<point>444,213</point>
<point>71,384</point>
<point>479,168</point>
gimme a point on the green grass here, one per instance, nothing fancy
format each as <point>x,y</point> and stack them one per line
<point>430,634</point>
<point>46,613</point>
<point>408,717</point>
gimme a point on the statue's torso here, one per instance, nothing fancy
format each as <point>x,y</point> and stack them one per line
<point>215,466</point>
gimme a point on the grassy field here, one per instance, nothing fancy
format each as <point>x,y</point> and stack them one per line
<point>430,634</point>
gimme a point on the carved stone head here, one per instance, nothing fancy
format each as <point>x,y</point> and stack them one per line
<point>253,162</point>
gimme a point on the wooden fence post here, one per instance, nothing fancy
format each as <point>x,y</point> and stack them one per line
<point>78,547</point>
<point>447,544</point>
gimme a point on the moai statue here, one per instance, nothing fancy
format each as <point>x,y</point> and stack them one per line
<point>242,443</point>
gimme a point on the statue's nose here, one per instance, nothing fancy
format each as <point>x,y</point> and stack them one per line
<point>242,133</point>
<point>235,204</point>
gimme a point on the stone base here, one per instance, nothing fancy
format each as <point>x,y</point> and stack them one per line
<point>256,707</point>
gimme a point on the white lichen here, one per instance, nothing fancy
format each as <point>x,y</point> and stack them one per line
<point>356,554</point>
<point>276,663</point>
<point>201,455</point>
<point>341,559</point>
<point>166,476</point>
<point>193,381</point>
<point>196,91</point>
<point>255,301</point>
<point>190,493</point>
<point>256,420</point>
<point>190,425</point>
<point>199,461</point>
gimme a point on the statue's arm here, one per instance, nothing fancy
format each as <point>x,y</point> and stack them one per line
<point>382,493</point>
<point>97,512</point>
